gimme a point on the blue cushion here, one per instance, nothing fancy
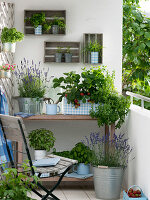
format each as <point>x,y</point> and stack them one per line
<point>46,162</point>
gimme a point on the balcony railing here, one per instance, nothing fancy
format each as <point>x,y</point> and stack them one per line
<point>138,96</point>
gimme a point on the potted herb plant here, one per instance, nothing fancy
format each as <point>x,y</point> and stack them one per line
<point>57,23</point>
<point>9,37</point>
<point>31,86</point>
<point>38,20</point>
<point>5,70</point>
<point>82,153</point>
<point>16,185</point>
<point>58,55</point>
<point>93,49</point>
<point>41,140</point>
<point>68,55</point>
<point>108,166</point>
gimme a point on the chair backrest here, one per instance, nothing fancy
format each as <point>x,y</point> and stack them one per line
<point>12,128</point>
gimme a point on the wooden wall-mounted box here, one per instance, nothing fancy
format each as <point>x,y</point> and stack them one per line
<point>50,15</point>
<point>50,49</point>
<point>91,37</point>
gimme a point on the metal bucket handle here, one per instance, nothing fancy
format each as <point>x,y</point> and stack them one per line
<point>137,187</point>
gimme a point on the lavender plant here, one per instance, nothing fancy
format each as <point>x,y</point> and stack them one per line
<point>31,79</point>
<point>118,153</point>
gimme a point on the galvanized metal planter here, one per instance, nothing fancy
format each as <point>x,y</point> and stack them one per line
<point>30,105</point>
<point>107,182</point>
<point>55,29</point>
<point>68,57</point>
<point>58,57</point>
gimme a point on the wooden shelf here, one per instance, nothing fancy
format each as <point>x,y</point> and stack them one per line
<point>51,47</point>
<point>92,37</point>
<point>67,179</point>
<point>59,117</point>
<point>49,14</point>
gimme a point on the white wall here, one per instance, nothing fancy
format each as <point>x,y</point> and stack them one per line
<point>83,16</point>
<point>139,135</point>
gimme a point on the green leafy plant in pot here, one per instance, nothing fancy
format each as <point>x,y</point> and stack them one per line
<point>82,153</point>
<point>94,50</point>
<point>38,21</point>
<point>58,55</point>
<point>110,112</point>
<point>68,55</point>
<point>57,24</point>
<point>9,37</point>
<point>41,140</point>
<point>31,86</point>
<point>108,166</point>
<point>15,184</point>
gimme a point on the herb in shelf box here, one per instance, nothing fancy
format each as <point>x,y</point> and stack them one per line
<point>57,23</point>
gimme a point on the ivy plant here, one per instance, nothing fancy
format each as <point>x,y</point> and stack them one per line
<point>41,139</point>
<point>136,49</point>
<point>11,35</point>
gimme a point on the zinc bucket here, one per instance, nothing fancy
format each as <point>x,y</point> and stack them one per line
<point>108,182</point>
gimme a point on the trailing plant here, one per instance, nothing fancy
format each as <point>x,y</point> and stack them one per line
<point>41,139</point>
<point>112,110</point>
<point>37,19</point>
<point>93,85</point>
<point>58,21</point>
<point>11,35</point>
<point>82,153</point>
<point>31,80</point>
<point>7,67</point>
<point>118,154</point>
<point>93,47</point>
<point>15,185</point>
<point>136,48</point>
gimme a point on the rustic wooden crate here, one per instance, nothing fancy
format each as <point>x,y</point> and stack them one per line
<point>92,37</point>
<point>51,47</point>
<point>50,14</point>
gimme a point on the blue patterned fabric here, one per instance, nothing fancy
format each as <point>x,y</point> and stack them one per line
<point>38,30</point>
<point>23,115</point>
<point>83,109</point>
<point>94,57</point>
<point>4,110</point>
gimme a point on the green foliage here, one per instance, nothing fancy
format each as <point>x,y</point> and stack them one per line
<point>41,139</point>
<point>46,27</point>
<point>59,50</point>
<point>82,153</point>
<point>136,48</point>
<point>93,85</point>
<point>58,21</point>
<point>31,87</point>
<point>68,50</point>
<point>16,185</point>
<point>113,109</point>
<point>37,19</point>
<point>93,47</point>
<point>11,35</point>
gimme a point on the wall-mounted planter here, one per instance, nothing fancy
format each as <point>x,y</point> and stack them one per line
<point>50,15</point>
<point>51,55</point>
<point>91,57</point>
<point>83,109</point>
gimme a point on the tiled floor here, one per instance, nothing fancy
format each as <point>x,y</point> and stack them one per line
<point>73,193</point>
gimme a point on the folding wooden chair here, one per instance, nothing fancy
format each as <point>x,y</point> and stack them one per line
<point>13,128</point>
